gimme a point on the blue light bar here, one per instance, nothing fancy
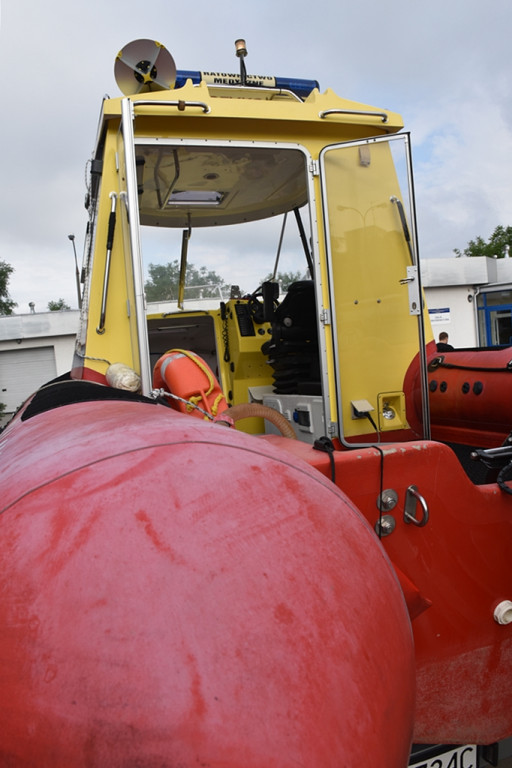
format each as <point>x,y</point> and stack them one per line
<point>301,88</point>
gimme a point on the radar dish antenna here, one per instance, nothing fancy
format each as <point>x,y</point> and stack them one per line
<point>144,65</point>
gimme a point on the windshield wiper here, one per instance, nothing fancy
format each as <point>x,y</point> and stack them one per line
<point>304,240</point>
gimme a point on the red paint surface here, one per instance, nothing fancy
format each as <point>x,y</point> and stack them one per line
<point>460,563</point>
<point>174,593</point>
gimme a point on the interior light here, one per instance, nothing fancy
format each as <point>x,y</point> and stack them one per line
<point>196,197</point>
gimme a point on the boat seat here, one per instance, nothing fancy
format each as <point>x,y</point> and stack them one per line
<point>293,347</point>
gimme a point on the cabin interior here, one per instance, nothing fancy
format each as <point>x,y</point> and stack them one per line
<point>314,314</point>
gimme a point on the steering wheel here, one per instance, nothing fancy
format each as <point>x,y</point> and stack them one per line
<point>255,305</point>
<point>264,302</point>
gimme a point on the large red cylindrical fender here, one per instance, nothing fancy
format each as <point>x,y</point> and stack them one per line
<point>176,593</point>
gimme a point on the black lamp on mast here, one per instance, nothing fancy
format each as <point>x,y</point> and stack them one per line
<point>241,52</point>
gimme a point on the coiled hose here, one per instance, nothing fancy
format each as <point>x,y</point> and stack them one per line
<point>258,410</point>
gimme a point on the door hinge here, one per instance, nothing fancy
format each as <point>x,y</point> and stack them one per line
<point>325,316</point>
<point>313,168</point>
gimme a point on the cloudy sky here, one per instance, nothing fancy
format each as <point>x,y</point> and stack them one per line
<point>445,65</point>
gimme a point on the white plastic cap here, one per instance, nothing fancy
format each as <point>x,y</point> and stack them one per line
<point>503,612</point>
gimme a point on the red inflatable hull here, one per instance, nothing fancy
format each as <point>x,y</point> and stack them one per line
<point>470,394</point>
<point>175,593</point>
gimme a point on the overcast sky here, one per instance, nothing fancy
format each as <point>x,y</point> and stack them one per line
<point>445,65</point>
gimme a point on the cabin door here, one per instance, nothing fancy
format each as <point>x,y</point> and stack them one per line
<point>374,285</point>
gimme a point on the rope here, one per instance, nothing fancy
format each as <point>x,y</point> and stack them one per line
<point>501,479</point>
<point>164,393</point>
<point>439,362</point>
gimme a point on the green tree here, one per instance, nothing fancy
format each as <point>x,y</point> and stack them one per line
<point>6,303</point>
<point>56,306</point>
<point>498,245</point>
<point>164,281</point>
<point>285,279</point>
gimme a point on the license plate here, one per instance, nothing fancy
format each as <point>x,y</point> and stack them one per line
<point>462,757</point>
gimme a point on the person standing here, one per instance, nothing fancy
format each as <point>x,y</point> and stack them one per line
<point>442,345</point>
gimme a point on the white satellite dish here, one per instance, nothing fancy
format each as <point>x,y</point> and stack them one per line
<point>144,65</point>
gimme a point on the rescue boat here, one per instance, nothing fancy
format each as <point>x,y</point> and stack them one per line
<point>242,531</point>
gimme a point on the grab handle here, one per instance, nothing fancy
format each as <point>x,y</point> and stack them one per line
<point>326,112</point>
<point>412,498</point>
<point>179,103</point>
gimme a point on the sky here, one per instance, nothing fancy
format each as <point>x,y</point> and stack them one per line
<point>445,66</point>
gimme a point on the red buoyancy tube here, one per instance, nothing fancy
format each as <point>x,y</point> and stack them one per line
<point>189,377</point>
<point>470,394</point>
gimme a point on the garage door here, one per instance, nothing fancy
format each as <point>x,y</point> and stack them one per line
<point>22,371</point>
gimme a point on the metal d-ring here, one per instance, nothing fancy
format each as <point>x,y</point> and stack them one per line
<point>412,498</point>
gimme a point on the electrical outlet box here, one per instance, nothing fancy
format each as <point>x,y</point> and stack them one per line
<point>391,411</point>
<point>360,408</point>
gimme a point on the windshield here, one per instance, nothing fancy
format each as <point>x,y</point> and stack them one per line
<point>237,212</point>
<point>240,256</point>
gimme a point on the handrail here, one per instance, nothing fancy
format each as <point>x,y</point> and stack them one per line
<point>182,105</point>
<point>265,89</point>
<point>326,112</point>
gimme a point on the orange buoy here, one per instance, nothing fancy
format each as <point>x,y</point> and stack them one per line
<point>188,377</point>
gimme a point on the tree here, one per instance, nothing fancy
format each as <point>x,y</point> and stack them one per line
<point>164,279</point>
<point>56,306</point>
<point>285,279</point>
<point>6,303</point>
<point>498,245</point>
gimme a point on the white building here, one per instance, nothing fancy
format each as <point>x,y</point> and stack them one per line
<point>34,349</point>
<point>470,299</point>
<point>37,347</point>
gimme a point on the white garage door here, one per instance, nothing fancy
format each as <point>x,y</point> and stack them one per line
<point>22,371</point>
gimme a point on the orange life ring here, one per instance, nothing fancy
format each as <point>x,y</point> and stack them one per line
<point>189,377</point>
